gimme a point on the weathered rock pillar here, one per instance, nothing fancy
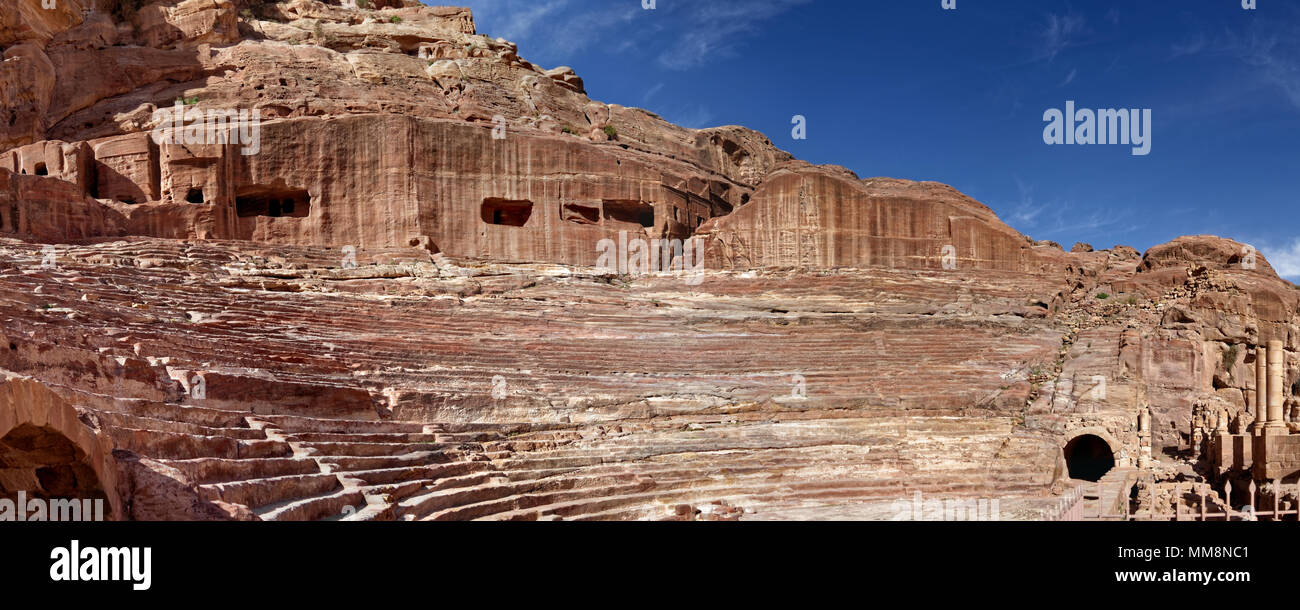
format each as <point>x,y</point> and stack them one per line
<point>1144,438</point>
<point>1261,390</point>
<point>1276,381</point>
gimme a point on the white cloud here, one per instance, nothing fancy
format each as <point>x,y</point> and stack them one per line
<point>716,28</point>
<point>1285,259</point>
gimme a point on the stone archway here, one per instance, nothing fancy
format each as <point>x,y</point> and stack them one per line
<point>1089,457</point>
<point>47,452</point>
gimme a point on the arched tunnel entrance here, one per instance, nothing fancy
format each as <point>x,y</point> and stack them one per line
<point>45,464</point>
<point>1089,457</point>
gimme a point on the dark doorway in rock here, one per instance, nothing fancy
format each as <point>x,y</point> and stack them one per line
<point>272,201</point>
<point>1088,457</point>
<point>506,212</point>
<point>580,214</point>
<point>44,463</point>
<point>630,211</point>
<point>41,170</point>
<point>195,195</point>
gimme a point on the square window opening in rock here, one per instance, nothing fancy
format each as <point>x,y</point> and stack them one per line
<point>630,211</point>
<point>506,212</point>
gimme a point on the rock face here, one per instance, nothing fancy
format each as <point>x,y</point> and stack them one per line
<point>292,260</point>
<point>805,216</point>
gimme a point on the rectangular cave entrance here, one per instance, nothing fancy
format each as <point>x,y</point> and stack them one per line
<point>630,211</point>
<point>274,202</point>
<point>506,212</point>
<point>580,213</point>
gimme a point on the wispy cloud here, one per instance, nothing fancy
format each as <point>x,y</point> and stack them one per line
<point>1268,48</point>
<point>518,20</point>
<point>1025,212</point>
<point>694,116</point>
<point>1277,61</point>
<point>1192,45</point>
<point>1069,78</point>
<point>553,30</point>
<point>650,93</point>
<point>678,35</point>
<point>1059,33</point>
<point>717,28</point>
<point>1063,219</point>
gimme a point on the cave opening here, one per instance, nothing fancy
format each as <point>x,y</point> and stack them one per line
<point>630,211</point>
<point>1088,457</point>
<point>506,212</point>
<point>195,195</point>
<point>580,214</point>
<point>43,463</point>
<point>274,202</point>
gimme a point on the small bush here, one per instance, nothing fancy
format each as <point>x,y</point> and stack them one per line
<point>611,132</point>
<point>396,19</point>
<point>1102,296</point>
<point>1230,357</point>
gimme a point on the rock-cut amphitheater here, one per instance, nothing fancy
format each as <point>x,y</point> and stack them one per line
<point>391,304</point>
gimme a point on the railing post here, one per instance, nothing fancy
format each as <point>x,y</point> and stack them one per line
<point>1153,498</point>
<point>1227,497</point>
<point>1277,499</point>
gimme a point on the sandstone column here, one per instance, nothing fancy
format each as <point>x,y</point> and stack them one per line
<point>1261,390</point>
<point>1276,379</point>
<point>1144,438</point>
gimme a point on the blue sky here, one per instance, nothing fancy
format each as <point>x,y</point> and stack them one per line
<point>904,88</point>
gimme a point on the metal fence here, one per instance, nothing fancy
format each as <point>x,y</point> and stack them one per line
<point>1073,506</point>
